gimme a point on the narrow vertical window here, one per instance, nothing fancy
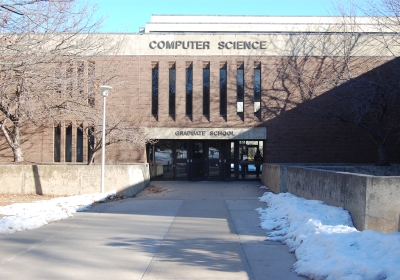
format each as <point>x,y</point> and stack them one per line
<point>154,89</point>
<point>57,143</point>
<point>239,88</point>
<point>68,143</point>
<point>189,89</point>
<point>257,89</point>
<point>70,79</point>
<point>206,89</point>
<point>222,90</point>
<point>80,76</point>
<point>79,144</point>
<point>91,81</point>
<point>91,144</point>
<point>58,79</point>
<point>172,81</point>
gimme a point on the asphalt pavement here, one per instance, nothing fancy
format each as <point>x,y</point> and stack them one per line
<point>171,230</point>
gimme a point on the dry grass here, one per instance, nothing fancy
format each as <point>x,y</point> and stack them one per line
<point>153,189</point>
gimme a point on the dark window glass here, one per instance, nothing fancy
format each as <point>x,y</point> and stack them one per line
<point>240,85</point>
<point>172,79</point>
<point>57,143</point>
<point>90,143</point>
<point>239,90</point>
<point>222,91</point>
<point>163,154</point>
<point>79,145</point>
<point>91,77</point>
<point>59,77</point>
<point>154,92</point>
<point>181,150</point>
<point>68,143</point>
<point>206,92</point>
<point>213,150</point>
<point>257,91</point>
<point>80,73</point>
<point>189,91</point>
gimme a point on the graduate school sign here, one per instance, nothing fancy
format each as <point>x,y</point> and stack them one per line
<point>254,133</point>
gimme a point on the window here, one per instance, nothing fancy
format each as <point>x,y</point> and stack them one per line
<point>257,89</point>
<point>154,89</point>
<point>189,89</point>
<point>91,143</point>
<point>58,79</point>
<point>206,89</point>
<point>240,88</point>
<point>68,143</point>
<point>80,79</point>
<point>57,143</point>
<point>172,81</point>
<point>79,144</point>
<point>222,90</point>
<point>91,78</point>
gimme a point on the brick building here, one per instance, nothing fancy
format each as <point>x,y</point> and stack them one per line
<point>211,90</point>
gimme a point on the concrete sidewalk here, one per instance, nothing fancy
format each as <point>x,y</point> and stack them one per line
<point>175,230</point>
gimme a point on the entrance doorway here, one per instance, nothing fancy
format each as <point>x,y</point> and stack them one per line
<point>197,160</point>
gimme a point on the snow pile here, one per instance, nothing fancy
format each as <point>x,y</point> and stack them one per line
<point>325,242</point>
<point>25,216</point>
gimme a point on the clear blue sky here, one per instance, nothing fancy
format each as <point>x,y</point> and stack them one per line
<point>129,15</point>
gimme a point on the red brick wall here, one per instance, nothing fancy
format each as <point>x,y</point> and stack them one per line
<point>291,137</point>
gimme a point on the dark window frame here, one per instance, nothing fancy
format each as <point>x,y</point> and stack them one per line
<point>68,143</point>
<point>154,90</point>
<point>206,91</point>
<point>257,88</point>
<point>223,77</point>
<point>91,79</point>
<point>172,91</point>
<point>189,91</point>
<point>240,88</point>
<point>57,143</point>
<point>79,144</point>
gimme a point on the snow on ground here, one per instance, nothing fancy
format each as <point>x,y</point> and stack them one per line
<point>325,242</point>
<point>25,216</point>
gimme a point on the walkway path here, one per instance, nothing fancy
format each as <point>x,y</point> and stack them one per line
<point>175,230</point>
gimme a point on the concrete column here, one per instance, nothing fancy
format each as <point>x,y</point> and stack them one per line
<point>163,91</point>
<point>232,92</point>
<point>180,91</point>
<point>214,90</point>
<point>197,90</point>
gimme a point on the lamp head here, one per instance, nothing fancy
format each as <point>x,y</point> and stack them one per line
<point>104,90</point>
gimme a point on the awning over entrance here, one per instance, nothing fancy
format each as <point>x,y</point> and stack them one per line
<point>218,133</point>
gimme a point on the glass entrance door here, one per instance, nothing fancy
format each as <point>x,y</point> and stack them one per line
<point>213,160</point>
<point>181,160</point>
<point>197,160</point>
<point>230,164</point>
<point>206,159</point>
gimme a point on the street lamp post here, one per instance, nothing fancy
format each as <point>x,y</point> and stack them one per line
<point>104,92</point>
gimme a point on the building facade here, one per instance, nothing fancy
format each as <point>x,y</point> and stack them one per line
<point>213,93</point>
